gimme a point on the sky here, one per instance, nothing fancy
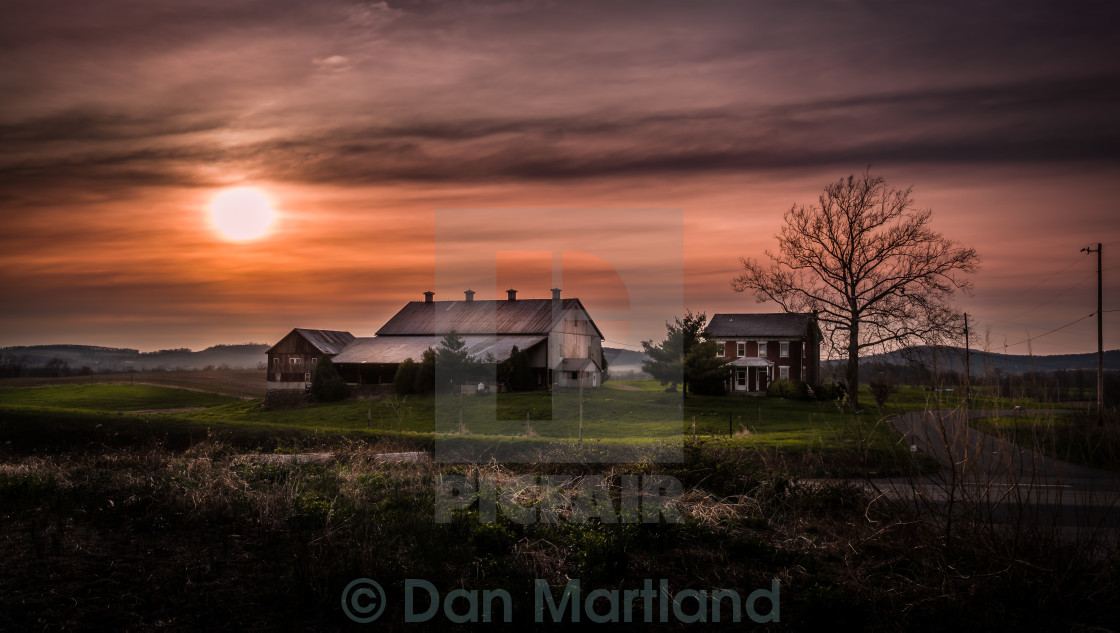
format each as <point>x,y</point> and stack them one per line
<point>638,137</point>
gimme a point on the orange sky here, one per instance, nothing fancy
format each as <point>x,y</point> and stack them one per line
<point>365,121</point>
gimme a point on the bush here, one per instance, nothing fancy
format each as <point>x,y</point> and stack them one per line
<point>327,384</point>
<point>881,391</point>
<point>404,382</point>
<point>827,390</point>
<point>780,388</point>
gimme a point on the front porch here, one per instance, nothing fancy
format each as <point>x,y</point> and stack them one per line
<point>749,376</point>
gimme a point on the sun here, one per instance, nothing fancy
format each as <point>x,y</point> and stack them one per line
<point>241,214</point>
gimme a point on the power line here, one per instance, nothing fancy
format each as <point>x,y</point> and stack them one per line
<point>1034,338</point>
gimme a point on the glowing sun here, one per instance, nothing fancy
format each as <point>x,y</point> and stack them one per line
<point>241,214</point>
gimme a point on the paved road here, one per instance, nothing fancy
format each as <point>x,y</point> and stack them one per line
<point>1002,481</point>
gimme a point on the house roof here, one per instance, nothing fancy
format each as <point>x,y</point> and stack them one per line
<point>396,349</point>
<point>782,324</point>
<point>326,341</point>
<point>750,361</point>
<point>523,316</point>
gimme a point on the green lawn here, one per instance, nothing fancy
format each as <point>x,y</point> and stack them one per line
<point>111,397</point>
<point>636,416</point>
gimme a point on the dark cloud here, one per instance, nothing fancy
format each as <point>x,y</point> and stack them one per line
<point>131,102</point>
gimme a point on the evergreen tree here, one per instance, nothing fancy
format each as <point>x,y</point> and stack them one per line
<point>426,372</point>
<point>327,384</point>
<point>404,382</point>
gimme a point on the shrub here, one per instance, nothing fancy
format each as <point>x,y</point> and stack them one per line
<point>327,384</point>
<point>827,390</point>
<point>404,382</point>
<point>788,389</point>
<point>881,391</point>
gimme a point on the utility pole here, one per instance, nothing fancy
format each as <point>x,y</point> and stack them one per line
<point>1100,336</point>
<point>967,367</point>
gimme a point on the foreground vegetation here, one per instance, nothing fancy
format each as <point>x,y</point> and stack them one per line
<point>201,538</point>
<point>115,515</point>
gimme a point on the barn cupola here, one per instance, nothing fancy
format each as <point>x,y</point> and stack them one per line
<point>470,296</point>
<point>555,294</point>
<point>511,295</point>
<point>428,296</point>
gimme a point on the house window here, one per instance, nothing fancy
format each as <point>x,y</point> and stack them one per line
<point>575,375</point>
<point>762,349</point>
<point>741,378</point>
<point>741,349</point>
<point>314,360</point>
<point>295,361</point>
<point>307,377</point>
<point>276,361</point>
<point>721,349</point>
<point>783,372</point>
<point>783,349</point>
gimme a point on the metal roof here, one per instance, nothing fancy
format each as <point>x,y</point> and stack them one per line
<point>750,361</point>
<point>396,349</point>
<point>326,341</point>
<point>523,316</point>
<point>783,324</point>
<point>578,364</point>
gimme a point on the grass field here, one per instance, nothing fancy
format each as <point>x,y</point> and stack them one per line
<point>1073,437</point>
<point>112,397</point>
<point>237,383</point>
<point>622,421</point>
<point>811,437</point>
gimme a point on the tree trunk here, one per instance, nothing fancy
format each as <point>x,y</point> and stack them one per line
<point>853,364</point>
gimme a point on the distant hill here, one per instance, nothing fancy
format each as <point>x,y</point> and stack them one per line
<point>620,361</point>
<point>952,359</point>
<point>100,359</point>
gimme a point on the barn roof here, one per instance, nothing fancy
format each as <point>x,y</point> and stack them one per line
<point>523,316</point>
<point>396,349</point>
<point>326,341</point>
<point>783,324</point>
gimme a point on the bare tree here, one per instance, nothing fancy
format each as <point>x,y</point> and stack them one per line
<point>868,262</point>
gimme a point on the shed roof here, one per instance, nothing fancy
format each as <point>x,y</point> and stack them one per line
<point>396,349</point>
<point>579,364</point>
<point>326,341</point>
<point>523,316</point>
<point>782,324</point>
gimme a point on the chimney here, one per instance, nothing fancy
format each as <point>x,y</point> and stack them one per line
<point>512,294</point>
<point>428,296</point>
<point>470,295</point>
<point>555,294</point>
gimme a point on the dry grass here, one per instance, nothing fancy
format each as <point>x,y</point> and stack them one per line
<point>201,538</point>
